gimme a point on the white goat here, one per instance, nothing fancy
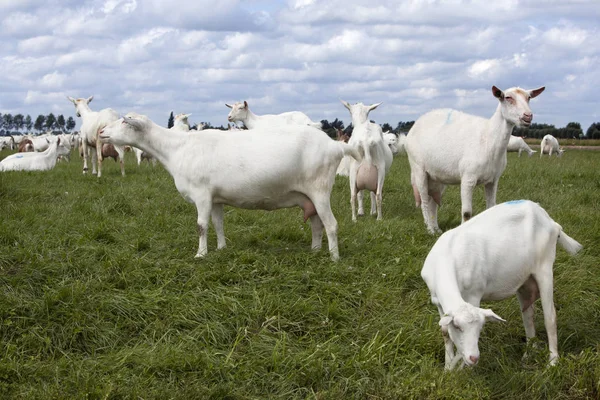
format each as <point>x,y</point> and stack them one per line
<point>395,143</point>
<point>550,145</point>
<point>141,155</point>
<point>368,173</point>
<point>448,147</point>
<point>92,123</point>
<point>516,143</point>
<point>241,112</point>
<point>279,167</point>
<point>7,142</point>
<point>508,249</point>
<point>35,161</point>
<point>181,122</point>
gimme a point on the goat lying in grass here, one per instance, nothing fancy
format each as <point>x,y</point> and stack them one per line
<point>275,167</point>
<point>241,112</point>
<point>506,250</point>
<point>35,161</point>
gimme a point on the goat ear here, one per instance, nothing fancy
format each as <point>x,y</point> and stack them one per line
<point>374,106</point>
<point>134,123</point>
<point>446,320</point>
<point>72,100</point>
<point>89,99</point>
<point>536,92</point>
<point>499,94</point>
<point>492,316</point>
<point>187,115</point>
<point>346,104</point>
<point>245,104</point>
<point>228,106</point>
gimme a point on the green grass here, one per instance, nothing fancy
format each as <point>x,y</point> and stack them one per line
<point>101,298</point>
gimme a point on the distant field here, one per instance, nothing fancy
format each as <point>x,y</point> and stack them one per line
<point>101,297</point>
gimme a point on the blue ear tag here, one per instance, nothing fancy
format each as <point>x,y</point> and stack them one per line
<point>19,157</point>
<point>514,202</point>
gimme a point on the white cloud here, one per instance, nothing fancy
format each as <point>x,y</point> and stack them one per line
<point>54,80</point>
<point>153,56</point>
<point>484,68</point>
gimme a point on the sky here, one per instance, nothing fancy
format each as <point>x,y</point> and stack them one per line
<point>154,57</point>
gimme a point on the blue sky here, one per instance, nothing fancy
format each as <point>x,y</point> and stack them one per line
<point>154,57</point>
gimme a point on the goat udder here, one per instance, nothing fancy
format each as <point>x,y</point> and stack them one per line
<point>366,177</point>
<point>309,209</point>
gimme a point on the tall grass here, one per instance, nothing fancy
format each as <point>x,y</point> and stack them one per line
<point>100,296</point>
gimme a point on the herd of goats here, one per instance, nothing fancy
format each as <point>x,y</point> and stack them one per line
<point>286,160</point>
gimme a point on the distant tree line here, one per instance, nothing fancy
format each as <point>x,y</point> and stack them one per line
<point>331,127</point>
<point>572,130</point>
<point>20,124</point>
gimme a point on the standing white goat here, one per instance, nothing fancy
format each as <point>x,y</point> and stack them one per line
<point>241,112</point>
<point>278,167</point>
<point>448,147</point>
<point>181,122</point>
<point>508,249</point>
<point>517,143</point>
<point>550,145</point>
<point>35,161</point>
<point>92,123</point>
<point>368,173</point>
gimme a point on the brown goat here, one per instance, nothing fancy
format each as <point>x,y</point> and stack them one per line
<point>25,145</point>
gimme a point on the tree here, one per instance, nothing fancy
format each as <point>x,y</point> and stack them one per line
<point>28,123</point>
<point>171,121</point>
<point>50,122</point>
<point>39,123</point>
<point>7,122</point>
<point>19,122</point>
<point>60,122</point>
<point>593,132</point>
<point>70,124</point>
<point>387,127</point>
<point>404,127</point>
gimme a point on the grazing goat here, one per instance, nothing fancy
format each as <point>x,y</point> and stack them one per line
<point>448,147</point>
<point>368,173</point>
<point>508,249</point>
<point>92,123</point>
<point>516,143</point>
<point>550,145</point>
<point>35,161</point>
<point>278,167</point>
<point>141,155</point>
<point>241,112</point>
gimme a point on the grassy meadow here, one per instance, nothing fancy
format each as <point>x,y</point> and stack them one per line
<point>101,297</point>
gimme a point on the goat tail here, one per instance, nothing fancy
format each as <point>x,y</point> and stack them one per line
<point>571,245</point>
